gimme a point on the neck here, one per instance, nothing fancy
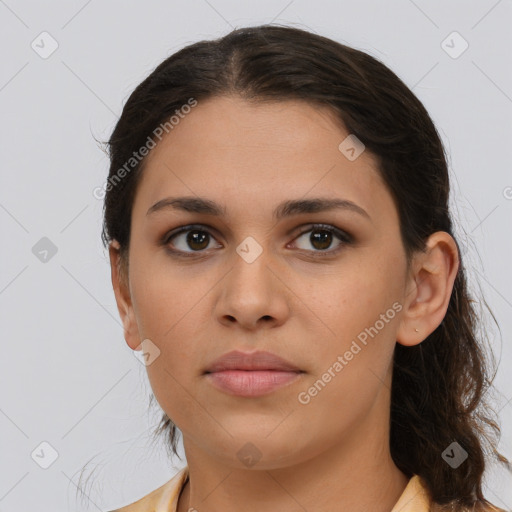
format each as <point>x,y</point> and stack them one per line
<point>357,475</point>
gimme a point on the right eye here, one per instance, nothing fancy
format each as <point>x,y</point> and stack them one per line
<point>189,239</point>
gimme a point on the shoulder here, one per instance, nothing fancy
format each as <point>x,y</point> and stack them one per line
<point>415,497</point>
<point>161,499</point>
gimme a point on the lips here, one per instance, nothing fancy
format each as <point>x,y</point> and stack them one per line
<point>251,375</point>
<point>254,361</point>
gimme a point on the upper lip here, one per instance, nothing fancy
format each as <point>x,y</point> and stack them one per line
<point>260,360</point>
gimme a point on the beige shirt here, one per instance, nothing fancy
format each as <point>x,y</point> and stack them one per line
<point>165,498</point>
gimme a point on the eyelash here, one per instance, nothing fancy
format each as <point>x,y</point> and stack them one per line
<point>344,238</point>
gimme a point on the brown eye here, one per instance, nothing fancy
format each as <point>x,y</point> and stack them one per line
<point>197,240</point>
<point>321,238</point>
<point>189,240</point>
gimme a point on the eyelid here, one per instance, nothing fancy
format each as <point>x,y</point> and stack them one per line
<point>318,226</point>
<point>188,227</point>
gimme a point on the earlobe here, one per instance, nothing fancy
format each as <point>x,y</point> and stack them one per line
<point>431,286</point>
<point>123,298</point>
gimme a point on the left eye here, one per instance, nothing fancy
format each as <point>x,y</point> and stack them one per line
<point>321,238</point>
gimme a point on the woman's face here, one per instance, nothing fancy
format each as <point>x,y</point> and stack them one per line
<point>259,275</point>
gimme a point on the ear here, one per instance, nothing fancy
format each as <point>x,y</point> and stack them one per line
<point>122,293</point>
<point>429,288</point>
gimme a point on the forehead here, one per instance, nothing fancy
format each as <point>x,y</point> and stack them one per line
<point>250,154</point>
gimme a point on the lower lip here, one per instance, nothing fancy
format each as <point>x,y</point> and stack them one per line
<point>251,383</point>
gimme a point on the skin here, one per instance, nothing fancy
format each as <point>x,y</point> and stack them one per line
<point>332,453</point>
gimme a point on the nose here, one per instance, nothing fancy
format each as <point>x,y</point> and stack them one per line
<point>253,295</point>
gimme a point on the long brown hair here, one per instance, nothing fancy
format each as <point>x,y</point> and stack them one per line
<point>440,387</point>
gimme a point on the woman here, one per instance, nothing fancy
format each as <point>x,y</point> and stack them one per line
<point>283,253</point>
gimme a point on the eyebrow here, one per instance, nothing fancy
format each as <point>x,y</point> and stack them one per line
<point>285,209</point>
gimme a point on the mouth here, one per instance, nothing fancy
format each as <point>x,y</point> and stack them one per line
<point>251,374</point>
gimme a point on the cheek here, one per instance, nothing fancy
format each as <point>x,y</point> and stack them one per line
<point>174,323</point>
<point>354,314</point>
<point>351,362</point>
<point>170,321</point>
<point>167,313</point>
<point>162,295</point>
<point>347,302</point>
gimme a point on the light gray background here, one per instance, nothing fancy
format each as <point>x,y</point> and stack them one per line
<point>68,377</point>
